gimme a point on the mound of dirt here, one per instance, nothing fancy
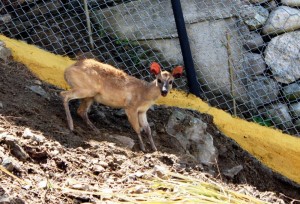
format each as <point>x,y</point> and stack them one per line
<point>36,145</point>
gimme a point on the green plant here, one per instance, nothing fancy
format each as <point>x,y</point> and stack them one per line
<point>264,122</point>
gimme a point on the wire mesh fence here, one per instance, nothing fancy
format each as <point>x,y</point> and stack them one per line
<point>246,53</point>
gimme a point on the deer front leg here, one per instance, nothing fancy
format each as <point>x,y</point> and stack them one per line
<point>132,115</point>
<point>146,127</point>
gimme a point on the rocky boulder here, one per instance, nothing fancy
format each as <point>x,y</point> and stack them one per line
<point>282,56</point>
<point>262,90</point>
<point>279,114</point>
<point>253,41</point>
<point>282,19</point>
<point>254,16</point>
<point>5,53</point>
<point>292,3</point>
<point>292,91</point>
<point>192,136</point>
<point>254,64</point>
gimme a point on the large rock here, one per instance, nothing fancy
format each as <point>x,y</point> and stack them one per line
<point>292,3</point>
<point>6,18</point>
<point>282,56</point>
<point>157,20</point>
<point>270,5</point>
<point>282,19</point>
<point>291,91</point>
<point>5,53</point>
<point>279,114</point>
<point>254,16</point>
<point>254,64</point>
<point>46,7</point>
<point>295,109</point>
<point>207,22</point>
<point>192,135</point>
<point>262,90</point>
<point>253,41</point>
<point>124,141</point>
<point>258,1</point>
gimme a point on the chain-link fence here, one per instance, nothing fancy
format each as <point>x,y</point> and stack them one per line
<point>246,53</point>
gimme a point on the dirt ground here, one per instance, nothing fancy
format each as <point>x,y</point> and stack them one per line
<point>85,160</point>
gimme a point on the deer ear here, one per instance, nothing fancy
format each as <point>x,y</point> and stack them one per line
<point>177,71</point>
<point>155,68</point>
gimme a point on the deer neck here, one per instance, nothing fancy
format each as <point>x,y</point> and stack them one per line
<point>153,91</point>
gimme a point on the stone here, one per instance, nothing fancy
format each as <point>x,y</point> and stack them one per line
<point>46,7</point>
<point>292,3</point>
<point>1,105</point>
<point>38,138</point>
<point>126,142</point>
<point>27,133</point>
<point>191,133</point>
<point>4,199</point>
<point>253,41</point>
<point>28,184</point>
<point>16,149</point>
<point>43,184</point>
<point>270,5</point>
<point>6,18</point>
<point>282,56</point>
<point>80,186</point>
<point>98,169</point>
<point>8,164</point>
<point>5,53</point>
<point>262,90</point>
<point>295,109</point>
<point>279,114</point>
<point>17,200</point>
<point>103,163</point>
<point>291,91</point>
<point>40,91</point>
<point>258,1</point>
<point>157,20</point>
<point>120,113</point>
<point>161,172</point>
<point>37,82</point>
<point>254,16</point>
<point>254,64</point>
<point>297,125</point>
<point>231,173</point>
<point>282,19</point>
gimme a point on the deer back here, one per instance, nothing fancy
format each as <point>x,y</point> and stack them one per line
<point>112,86</point>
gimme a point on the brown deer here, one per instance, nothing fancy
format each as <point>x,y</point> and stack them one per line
<point>92,81</point>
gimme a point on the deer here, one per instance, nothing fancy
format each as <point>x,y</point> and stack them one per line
<point>93,81</point>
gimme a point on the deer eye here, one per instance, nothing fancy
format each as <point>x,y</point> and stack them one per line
<point>170,82</point>
<point>159,81</point>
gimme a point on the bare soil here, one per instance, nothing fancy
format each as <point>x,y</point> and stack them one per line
<point>85,160</point>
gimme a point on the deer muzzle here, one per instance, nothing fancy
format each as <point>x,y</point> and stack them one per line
<point>165,89</point>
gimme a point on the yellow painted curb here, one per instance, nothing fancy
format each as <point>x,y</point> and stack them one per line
<point>280,152</point>
<point>47,66</point>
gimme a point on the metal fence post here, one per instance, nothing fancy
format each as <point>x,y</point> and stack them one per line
<point>193,84</point>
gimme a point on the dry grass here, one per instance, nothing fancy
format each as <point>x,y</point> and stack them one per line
<point>171,188</point>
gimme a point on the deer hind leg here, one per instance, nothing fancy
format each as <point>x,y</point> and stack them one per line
<point>146,127</point>
<point>74,94</point>
<point>83,112</point>
<point>134,121</point>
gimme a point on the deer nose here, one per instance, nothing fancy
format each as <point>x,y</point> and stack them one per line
<point>164,90</point>
<point>164,93</point>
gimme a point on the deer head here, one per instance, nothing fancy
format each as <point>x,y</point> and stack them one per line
<point>165,79</point>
